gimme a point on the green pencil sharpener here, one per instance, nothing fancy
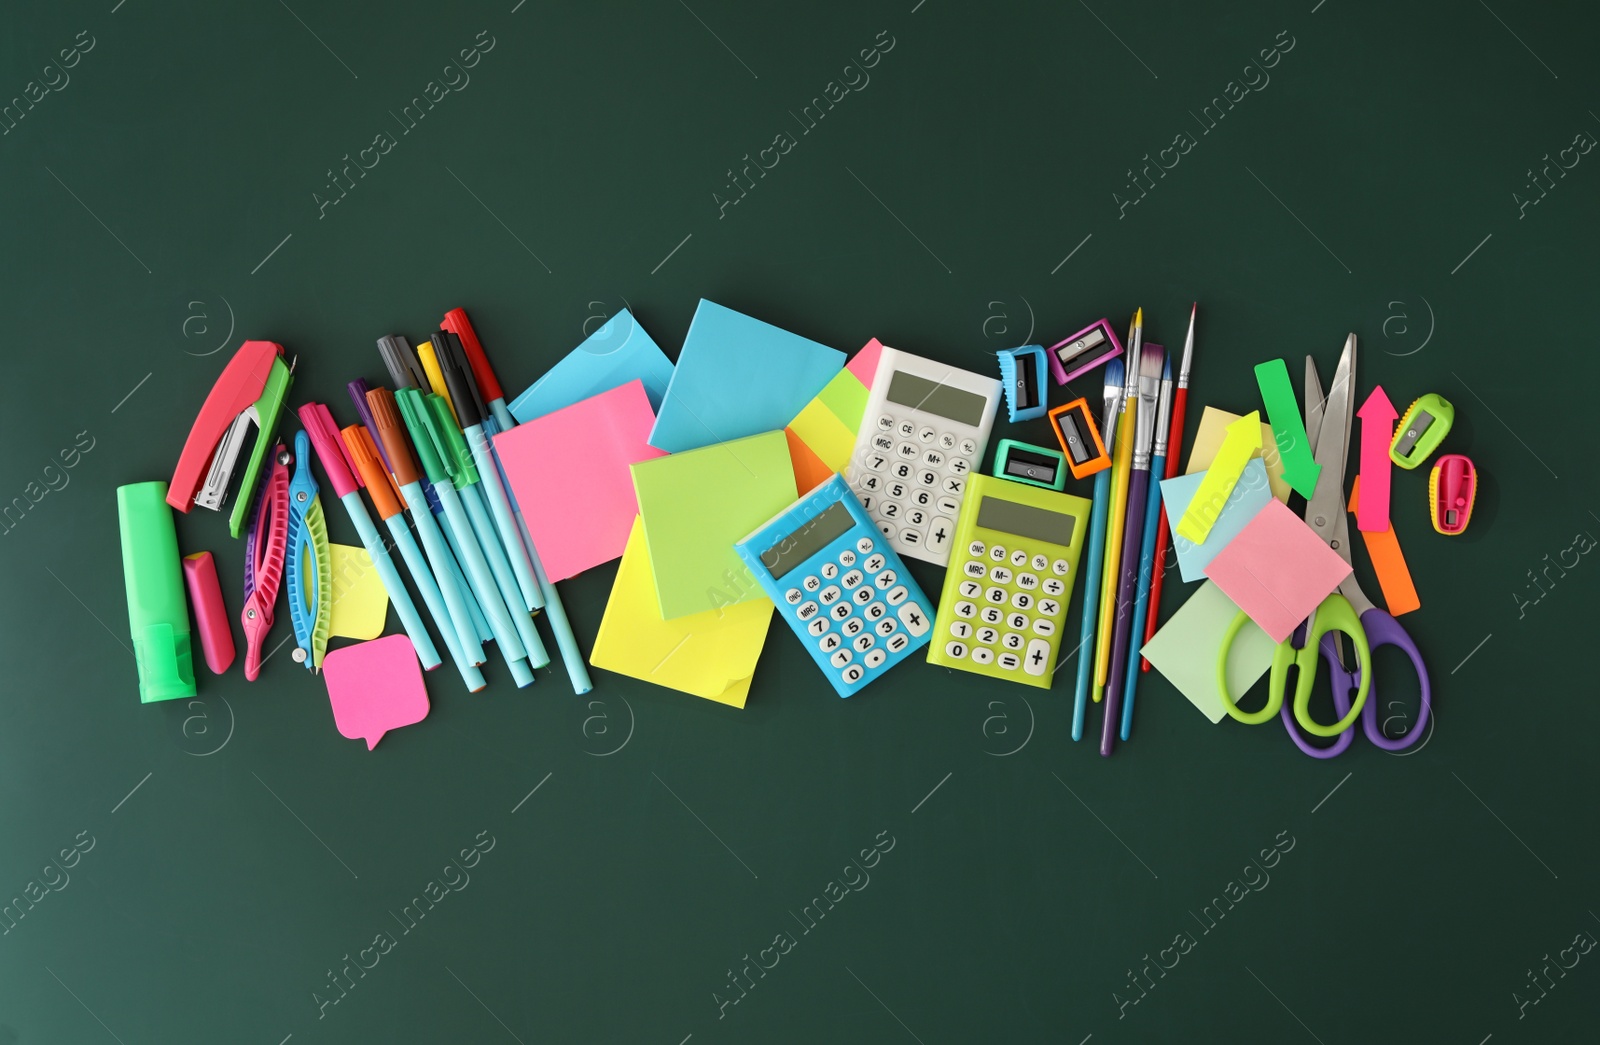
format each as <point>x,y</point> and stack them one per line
<point>1034,465</point>
<point>1424,426</point>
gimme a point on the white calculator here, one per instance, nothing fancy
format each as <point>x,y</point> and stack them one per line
<point>925,430</point>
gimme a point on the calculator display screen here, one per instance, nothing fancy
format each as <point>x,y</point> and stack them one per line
<point>809,539</point>
<point>1024,520</point>
<point>922,394</point>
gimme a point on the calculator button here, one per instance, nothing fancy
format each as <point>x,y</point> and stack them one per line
<point>829,571</point>
<point>886,626</point>
<point>874,564</point>
<point>862,596</point>
<point>974,569</point>
<point>995,595</point>
<point>882,442</point>
<point>968,447</point>
<point>1052,586</point>
<point>1049,607</point>
<point>867,502</point>
<point>852,627</point>
<point>829,595</point>
<point>906,429</point>
<point>897,595</point>
<point>940,532</point>
<point>864,546</point>
<point>875,658</point>
<point>875,610</point>
<point>898,643</point>
<point>966,609</point>
<point>885,422</point>
<point>955,649</point>
<point>959,465</point>
<point>933,458</point>
<point>998,553</point>
<point>885,579</point>
<point>1009,661</point>
<point>969,589</point>
<point>793,597</point>
<point>960,629</point>
<point>1022,600</point>
<point>1017,621</point>
<point>907,451</point>
<point>1059,567</point>
<point>877,462</point>
<point>807,610</point>
<point>922,498</point>
<point>847,558</point>
<point>896,490</point>
<point>953,485</point>
<point>852,674</point>
<point>1040,564</point>
<point>1000,575</point>
<point>926,434</point>
<point>1038,655</point>
<point>891,510</point>
<point>913,618</point>
<point>864,642</point>
<point>1019,558</point>
<point>885,529</point>
<point>1027,581</point>
<point>950,506</point>
<point>869,483</point>
<point>980,655</point>
<point>911,537</point>
<point>989,615</point>
<point>977,549</point>
<point>829,643</point>
<point>917,517</point>
<point>1011,641</point>
<point>851,579</point>
<point>1044,627</point>
<point>987,636</point>
<point>947,441</point>
<point>928,477</point>
<point>841,657</point>
<point>841,611</point>
<point>817,627</point>
<point>902,471</point>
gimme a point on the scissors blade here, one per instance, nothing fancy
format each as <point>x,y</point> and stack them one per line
<point>1314,403</point>
<point>1326,507</point>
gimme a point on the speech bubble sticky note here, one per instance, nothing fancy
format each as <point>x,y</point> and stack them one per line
<point>360,603</point>
<point>1208,440</point>
<point>1186,648</point>
<point>375,687</point>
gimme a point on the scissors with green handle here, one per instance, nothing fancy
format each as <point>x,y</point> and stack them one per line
<point>1347,612</point>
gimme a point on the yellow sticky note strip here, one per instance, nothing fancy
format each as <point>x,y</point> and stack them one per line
<point>360,603</point>
<point>711,654</point>
<point>824,434</point>
<point>1208,440</point>
<point>1185,650</point>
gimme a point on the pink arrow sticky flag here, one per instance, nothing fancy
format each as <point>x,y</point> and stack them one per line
<point>1377,431</point>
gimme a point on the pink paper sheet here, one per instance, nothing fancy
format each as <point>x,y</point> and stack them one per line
<point>569,471</point>
<point>1277,570</point>
<point>375,687</point>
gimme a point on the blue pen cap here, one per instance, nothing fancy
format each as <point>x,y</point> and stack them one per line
<point>158,610</point>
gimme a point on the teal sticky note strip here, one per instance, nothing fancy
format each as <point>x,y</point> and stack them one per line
<point>1249,496</point>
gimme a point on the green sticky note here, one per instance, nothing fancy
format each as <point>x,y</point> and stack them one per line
<point>697,504</point>
<point>846,397</point>
<point>1185,650</point>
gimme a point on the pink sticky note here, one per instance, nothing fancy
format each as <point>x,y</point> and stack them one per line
<point>375,687</point>
<point>1277,570</point>
<point>569,471</point>
<point>864,364</point>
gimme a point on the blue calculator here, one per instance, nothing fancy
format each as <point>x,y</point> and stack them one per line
<point>841,587</point>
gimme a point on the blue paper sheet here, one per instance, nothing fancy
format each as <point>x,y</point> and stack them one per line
<point>738,377</point>
<point>612,356</point>
<point>1249,496</point>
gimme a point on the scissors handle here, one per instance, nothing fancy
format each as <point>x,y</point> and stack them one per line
<point>1281,660</point>
<point>1383,630</point>
<point>1334,614</point>
<point>1344,684</point>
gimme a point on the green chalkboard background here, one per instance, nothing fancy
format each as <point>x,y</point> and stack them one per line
<point>970,191</point>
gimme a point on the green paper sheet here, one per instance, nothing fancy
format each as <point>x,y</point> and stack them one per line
<point>1185,650</point>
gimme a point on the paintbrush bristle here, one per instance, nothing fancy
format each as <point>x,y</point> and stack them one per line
<point>1151,360</point>
<point>1114,375</point>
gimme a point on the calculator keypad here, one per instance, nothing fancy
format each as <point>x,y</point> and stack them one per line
<point>1006,616</point>
<point>910,476</point>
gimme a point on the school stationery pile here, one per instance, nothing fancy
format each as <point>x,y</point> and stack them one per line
<point>763,470</point>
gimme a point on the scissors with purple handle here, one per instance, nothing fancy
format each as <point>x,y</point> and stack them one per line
<point>1347,612</point>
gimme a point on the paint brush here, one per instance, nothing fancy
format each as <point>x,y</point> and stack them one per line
<point>1147,543</point>
<point>1097,547</point>
<point>1174,450</point>
<point>1119,503</point>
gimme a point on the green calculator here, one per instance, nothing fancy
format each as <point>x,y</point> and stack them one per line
<point>1012,564</point>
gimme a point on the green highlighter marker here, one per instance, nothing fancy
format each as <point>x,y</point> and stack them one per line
<point>158,612</point>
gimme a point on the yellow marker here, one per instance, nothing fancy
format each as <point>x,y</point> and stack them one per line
<point>1242,442</point>
<point>1110,574</point>
<point>430,367</point>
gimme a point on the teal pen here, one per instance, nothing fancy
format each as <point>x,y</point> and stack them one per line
<point>419,420</point>
<point>471,412</point>
<point>1089,576</point>
<point>469,488</point>
<point>1152,520</point>
<point>454,557</point>
<point>456,322</point>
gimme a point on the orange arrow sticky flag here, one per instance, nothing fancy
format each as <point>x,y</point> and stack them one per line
<point>1383,548</point>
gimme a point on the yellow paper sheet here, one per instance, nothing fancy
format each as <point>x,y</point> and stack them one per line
<point>360,603</point>
<point>711,654</point>
<point>1208,440</point>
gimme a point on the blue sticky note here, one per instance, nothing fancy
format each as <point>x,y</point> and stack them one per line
<point>612,356</point>
<point>1249,496</point>
<point>738,377</point>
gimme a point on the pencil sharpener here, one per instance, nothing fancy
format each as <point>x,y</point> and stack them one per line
<point>1079,437</point>
<point>1084,351</point>
<point>1022,375</point>
<point>1452,489</point>
<point>1034,465</point>
<point>1424,426</point>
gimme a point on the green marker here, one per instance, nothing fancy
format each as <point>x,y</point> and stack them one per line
<point>158,612</point>
<point>1288,428</point>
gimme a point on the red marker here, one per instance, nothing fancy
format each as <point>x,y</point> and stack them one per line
<point>1377,431</point>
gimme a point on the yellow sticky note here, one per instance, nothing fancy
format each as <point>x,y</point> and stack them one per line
<point>360,603</point>
<point>710,654</point>
<point>824,434</point>
<point>1208,440</point>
